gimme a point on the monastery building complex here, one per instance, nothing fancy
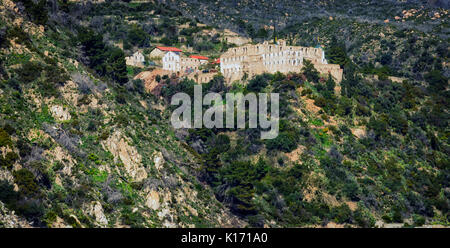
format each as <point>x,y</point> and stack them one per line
<point>248,60</point>
<point>261,58</point>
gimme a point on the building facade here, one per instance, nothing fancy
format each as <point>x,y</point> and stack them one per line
<point>160,51</point>
<point>175,62</point>
<point>137,59</point>
<point>261,58</point>
<point>171,61</point>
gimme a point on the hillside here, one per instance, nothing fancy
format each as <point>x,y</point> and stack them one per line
<point>250,16</point>
<point>79,149</point>
<point>84,144</point>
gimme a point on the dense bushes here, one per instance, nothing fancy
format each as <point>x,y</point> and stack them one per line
<point>36,10</point>
<point>28,200</point>
<point>7,193</point>
<point>336,53</point>
<point>259,82</point>
<point>16,33</point>
<point>29,72</point>
<point>138,37</point>
<point>382,106</point>
<point>238,179</point>
<point>5,139</point>
<point>309,71</point>
<point>436,81</point>
<point>9,160</point>
<point>94,49</point>
<point>116,66</point>
<point>27,183</point>
<point>31,208</point>
<point>283,142</point>
<point>103,59</point>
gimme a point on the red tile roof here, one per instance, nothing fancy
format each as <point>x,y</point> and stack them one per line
<point>169,49</point>
<point>198,57</point>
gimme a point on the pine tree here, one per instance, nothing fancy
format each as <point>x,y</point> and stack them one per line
<point>330,84</point>
<point>94,49</point>
<point>117,67</point>
<point>275,38</point>
<point>336,53</point>
<point>310,71</point>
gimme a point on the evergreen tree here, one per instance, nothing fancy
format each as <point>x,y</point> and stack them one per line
<point>336,53</point>
<point>36,11</point>
<point>310,72</point>
<point>330,84</point>
<point>275,35</point>
<point>93,48</point>
<point>436,80</point>
<point>138,37</point>
<point>104,60</point>
<point>117,67</point>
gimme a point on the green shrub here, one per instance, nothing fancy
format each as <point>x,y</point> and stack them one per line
<point>7,193</point>
<point>19,35</point>
<point>419,220</point>
<point>364,218</point>
<point>121,98</point>
<point>387,218</point>
<point>310,71</point>
<point>3,41</point>
<point>306,91</point>
<point>32,209</point>
<point>258,83</point>
<point>9,160</point>
<point>5,139</point>
<point>116,66</point>
<point>104,135</point>
<point>362,110</point>
<point>342,214</point>
<point>138,37</point>
<point>27,183</point>
<point>283,142</point>
<point>122,120</point>
<point>320,101</point>
<point>29,72</point>
<point>133,219</point>
<point>36,11</point>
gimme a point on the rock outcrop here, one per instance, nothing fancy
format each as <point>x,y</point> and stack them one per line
<point>118,145</point>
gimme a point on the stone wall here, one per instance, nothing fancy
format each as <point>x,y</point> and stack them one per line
<point>202,78</point>
<point>335,70</point>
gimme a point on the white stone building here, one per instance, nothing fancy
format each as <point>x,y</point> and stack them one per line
<point>260,58</point>
<point>160,51</point>
<point>137,59</point>
<point>171,61</point>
